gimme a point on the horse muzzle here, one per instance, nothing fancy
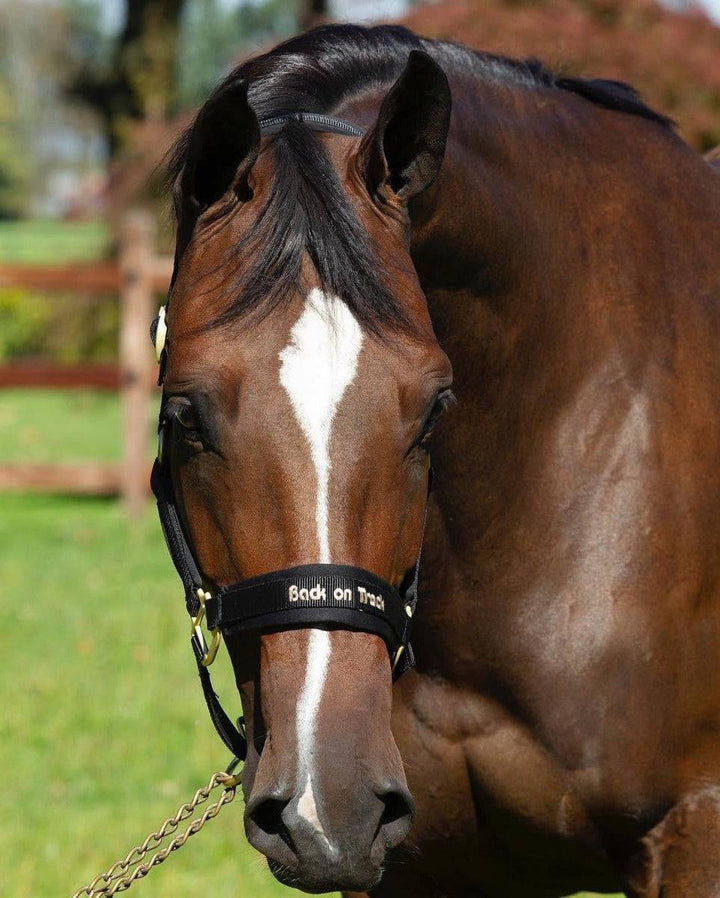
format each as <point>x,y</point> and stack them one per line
<point>305,853</point>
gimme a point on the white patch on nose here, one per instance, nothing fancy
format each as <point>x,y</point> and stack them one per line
<point>308,704</point>
<point>316,368</point>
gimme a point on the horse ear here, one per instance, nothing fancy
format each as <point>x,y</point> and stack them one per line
<point>224,144</point>
<point>405,149</point>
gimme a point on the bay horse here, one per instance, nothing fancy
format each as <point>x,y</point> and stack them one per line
<point>364,217</point>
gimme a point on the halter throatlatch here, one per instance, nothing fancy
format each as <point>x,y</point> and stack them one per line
<point>338,595</point>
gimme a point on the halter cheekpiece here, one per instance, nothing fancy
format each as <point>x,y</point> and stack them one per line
<point>338,595</point>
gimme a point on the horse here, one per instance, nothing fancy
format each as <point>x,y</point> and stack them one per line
<point>377,231</point>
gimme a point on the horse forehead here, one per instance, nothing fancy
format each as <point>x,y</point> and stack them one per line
<point>320,360</point>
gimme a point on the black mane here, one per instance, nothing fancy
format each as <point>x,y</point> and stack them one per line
<point>307,210</point>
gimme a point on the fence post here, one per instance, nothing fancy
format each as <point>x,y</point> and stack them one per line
<point>137,250</point>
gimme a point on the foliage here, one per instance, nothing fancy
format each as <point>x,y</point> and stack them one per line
<point>58,327</point>
<point>62,327</point>
<point>13,159</point>
<point>39,132</point>
<point>24,319</point>
<point>213,33</point>
<point>672,58</point>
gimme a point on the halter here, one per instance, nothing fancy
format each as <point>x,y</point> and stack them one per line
<point>340,595</point>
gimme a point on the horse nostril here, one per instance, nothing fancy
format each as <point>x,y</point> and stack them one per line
<point>397,815</point>
<point>266,814</point>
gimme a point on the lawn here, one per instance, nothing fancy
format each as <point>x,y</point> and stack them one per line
<point>59,426</point>
<point>104,731</point>
<point>38,241</point>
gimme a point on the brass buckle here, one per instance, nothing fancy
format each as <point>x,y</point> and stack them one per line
<point>208,654</point>
<point>236,777</point>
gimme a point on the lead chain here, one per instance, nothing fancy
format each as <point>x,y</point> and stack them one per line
<point>120,876</point>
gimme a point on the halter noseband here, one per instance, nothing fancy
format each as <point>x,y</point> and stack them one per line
<point>341,595</point>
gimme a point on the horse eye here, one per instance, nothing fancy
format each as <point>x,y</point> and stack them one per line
<point>187,419</point>
<point>443,401</point>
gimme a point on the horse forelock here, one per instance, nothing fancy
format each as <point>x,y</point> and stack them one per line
<point>307,214</point>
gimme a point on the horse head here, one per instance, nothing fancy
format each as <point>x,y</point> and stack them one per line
<point>302,382</point>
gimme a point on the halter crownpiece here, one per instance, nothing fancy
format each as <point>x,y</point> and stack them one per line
<point>316,121</point>
<point>338,595</point>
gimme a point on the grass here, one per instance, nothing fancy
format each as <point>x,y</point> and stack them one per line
<point>45,241</point>
<point>59,426</point>
<point>104,730</point>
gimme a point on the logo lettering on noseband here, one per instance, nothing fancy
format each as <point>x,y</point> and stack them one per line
<point>302,594</point>
<point>318,593</point>
<point>369,598</point>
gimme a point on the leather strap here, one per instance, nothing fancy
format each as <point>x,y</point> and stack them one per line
<point>187,569</point>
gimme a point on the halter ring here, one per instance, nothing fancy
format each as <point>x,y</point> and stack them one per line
<point>208,654</point>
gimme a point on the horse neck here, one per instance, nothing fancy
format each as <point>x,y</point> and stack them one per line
<point>553,304</point>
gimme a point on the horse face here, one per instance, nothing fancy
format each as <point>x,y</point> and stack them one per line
<point>299,436</point>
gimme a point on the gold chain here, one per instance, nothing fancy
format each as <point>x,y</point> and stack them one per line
<point>120,876</point>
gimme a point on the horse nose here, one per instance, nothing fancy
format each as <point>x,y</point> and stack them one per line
<point>397,815</point>
<point>266,829</point>
<point>325,852</point>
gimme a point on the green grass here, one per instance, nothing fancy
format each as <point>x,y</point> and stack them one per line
<point>44,241</point>
<point>104,730</point>
<point>59,426</point>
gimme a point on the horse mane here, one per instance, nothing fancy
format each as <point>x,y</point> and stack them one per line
<point>307,210</point>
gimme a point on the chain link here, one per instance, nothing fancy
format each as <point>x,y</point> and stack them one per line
<point>120,876</point>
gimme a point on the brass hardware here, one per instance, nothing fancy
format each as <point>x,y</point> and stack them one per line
<point>236,778</point>
<point>208,654</point>
<point>160,333</point>
<point>398,655</point>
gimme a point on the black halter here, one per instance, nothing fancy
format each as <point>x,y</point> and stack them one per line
<point>336,594</point>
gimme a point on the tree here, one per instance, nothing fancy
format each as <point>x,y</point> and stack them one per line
<point>14,172</point>
<point>140,83</point>
<point>670,57</point>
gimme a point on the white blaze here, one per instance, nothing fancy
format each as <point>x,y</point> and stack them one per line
<point>308,704</point>
<point>316,368</point>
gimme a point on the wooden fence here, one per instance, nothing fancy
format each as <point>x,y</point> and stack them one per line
<point>137,277</point>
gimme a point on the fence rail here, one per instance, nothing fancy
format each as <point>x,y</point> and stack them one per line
<point>137,277</point>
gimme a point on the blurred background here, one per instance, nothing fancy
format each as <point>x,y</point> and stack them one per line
<point>104,731</point>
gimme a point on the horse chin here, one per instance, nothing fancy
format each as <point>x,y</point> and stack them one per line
<point>321,881</point>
